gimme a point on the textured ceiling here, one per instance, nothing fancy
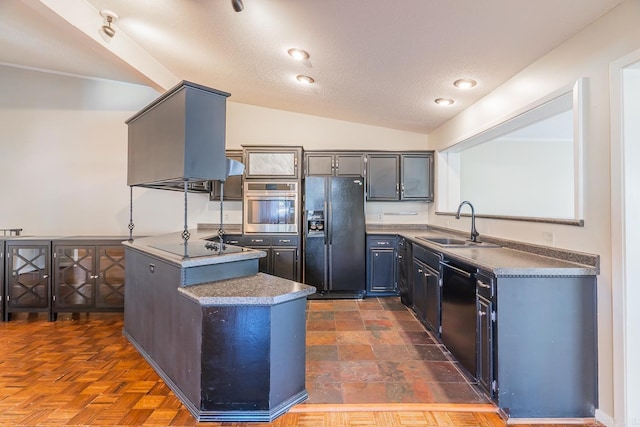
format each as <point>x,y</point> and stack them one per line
<point>379,62</point>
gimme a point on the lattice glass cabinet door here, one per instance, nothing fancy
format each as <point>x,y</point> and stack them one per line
<point>75,277</point>
<point>28,283</point>
<point>110,277</point>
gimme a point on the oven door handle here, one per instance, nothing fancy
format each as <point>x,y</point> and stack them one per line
<point>456,269</point>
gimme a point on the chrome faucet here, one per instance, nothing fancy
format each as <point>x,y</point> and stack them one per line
<point>474,232</point>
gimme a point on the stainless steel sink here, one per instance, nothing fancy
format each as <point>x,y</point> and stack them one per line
<point>452,242</point>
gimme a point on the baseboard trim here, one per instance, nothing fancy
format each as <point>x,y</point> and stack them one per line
<point>562,421</point>
<point>393,407</point>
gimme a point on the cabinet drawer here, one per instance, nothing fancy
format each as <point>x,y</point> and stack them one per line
<point>381,241</point>
<point>284,241</point>
<point>485,286</point>
<point>233,239</point>
<point>256,241</point>
<point>432,259</point>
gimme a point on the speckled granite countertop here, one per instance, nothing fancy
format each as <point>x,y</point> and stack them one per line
<point>510,259</point>
<point>150,245</point>
<point>260,289</point>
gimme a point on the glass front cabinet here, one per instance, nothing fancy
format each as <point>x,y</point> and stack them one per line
<point>89,276</point>
<point>27,277</point>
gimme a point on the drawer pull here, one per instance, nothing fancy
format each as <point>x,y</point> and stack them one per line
<point>284,240</point>
<point>382,243</point>
<point>482,284</point>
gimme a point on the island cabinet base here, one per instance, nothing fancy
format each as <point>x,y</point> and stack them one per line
<point>227,357</point>
<point>252,363</point>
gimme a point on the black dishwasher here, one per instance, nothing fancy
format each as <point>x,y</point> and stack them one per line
<point>459,333</point>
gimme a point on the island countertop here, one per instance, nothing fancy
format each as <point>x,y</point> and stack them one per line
<point>170,247</point>
<point>259,289</point>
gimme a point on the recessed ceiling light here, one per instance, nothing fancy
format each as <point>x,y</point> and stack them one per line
<point>305,79</point>
<point>444,101</point>
<point>464,83</point>
<point>298,54</point>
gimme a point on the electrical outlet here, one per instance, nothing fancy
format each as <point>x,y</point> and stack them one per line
<point>379,216</point>
<point>547,237</point>
<point>226,217</point>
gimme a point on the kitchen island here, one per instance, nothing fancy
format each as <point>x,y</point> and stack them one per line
<point>229,341</point>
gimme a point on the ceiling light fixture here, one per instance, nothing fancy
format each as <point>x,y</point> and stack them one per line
<point>464,83</point>
<point>305,79</point>
<point>444,101</point>
<point>298,54</point>
<point>109,18</point>
<point>238,6</point>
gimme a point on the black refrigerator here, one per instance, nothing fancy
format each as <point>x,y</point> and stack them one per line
<point>334,236</point>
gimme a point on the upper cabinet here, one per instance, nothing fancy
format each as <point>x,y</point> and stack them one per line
<point>400,176</point>
<point>416,173</point>
<point>334,164</point>
<point>272,162</point>
<point>233,185</point>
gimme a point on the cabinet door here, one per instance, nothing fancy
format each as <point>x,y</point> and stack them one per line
<point>110,277</point>
<point>74,281</point>
<point>417,177</point>
<point>349,165</point>
<point>419,289</point>
<point>264,263</point>
<point>318,164</point>
<point>382,177</point>
<point>233,184</point>
<point>432,314</point>
<point>382,272</point>
<point>485,344</point>
<point>285,262</point>
<point>272,163</point>
<point>28,283</point>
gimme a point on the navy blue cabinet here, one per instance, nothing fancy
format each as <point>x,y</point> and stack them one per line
<point>381,265</point>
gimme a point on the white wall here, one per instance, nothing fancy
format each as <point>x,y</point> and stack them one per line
<point>588,54</point>
<point>63,156</point>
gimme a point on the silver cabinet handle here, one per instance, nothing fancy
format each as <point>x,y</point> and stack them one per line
<point>481,313</point>
<point>482,284</point>
<point>45,276</point>
<point>382,243</point>
<point>284,240</point>
<point>257,240</point>
<point>419,270</point>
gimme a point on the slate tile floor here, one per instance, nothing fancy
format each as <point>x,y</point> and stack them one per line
<point>375,351</point>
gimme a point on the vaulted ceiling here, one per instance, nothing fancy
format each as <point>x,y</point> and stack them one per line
<point>379,62</point>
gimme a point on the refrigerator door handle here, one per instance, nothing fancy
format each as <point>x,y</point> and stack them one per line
<point>327,224</point>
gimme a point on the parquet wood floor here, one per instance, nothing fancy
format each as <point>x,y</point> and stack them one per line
<point>81,371</point>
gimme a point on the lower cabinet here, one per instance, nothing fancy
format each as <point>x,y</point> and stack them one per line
<point>28,277</point>
<point>405,284</point>
<point>282,258</point>
<point>381,265</point>
<point>89,275</point>
<point>537,345</point>
<point>427,287</point>
<point>3,295</point>
<point>63,275</point>
<point>420,275</point>
<point>485,320</point>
